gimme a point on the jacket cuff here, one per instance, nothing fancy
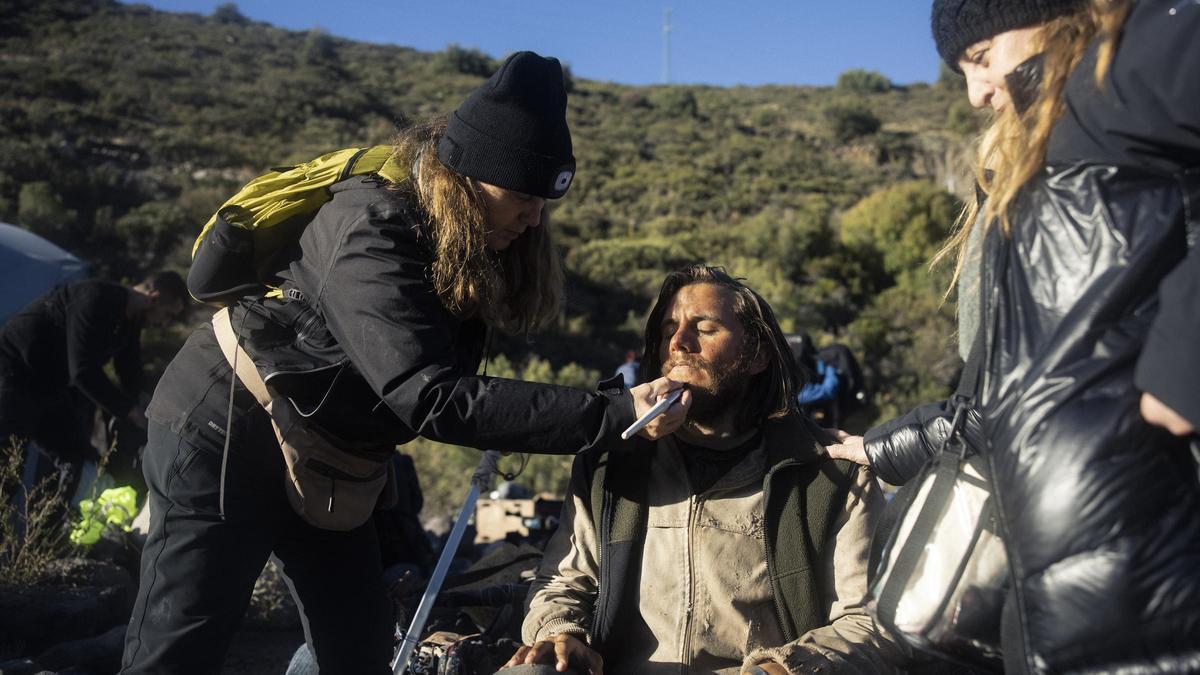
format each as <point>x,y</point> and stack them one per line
<point>618,415</point>
<point>554,627</point>
<point>795,658</point>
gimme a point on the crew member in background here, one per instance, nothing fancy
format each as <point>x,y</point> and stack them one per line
<point>52,379</point>
<point>629,370</point>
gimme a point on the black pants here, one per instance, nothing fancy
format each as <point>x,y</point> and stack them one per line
<point>198,569</point>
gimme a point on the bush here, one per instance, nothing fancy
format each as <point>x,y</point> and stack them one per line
<point>863,82</point>
<point>41,210</point>
<point>676,102</point>
<point>34,533</point>
<point>228,13</point>
<point>319,47</point>
<point>466,61</point>
<point>950,79</point>
<point>848,121</point>
<point>961,118</point>
<point>905,224</point>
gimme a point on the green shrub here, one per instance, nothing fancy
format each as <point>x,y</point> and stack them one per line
<point>41,209</point>
<point>466,61</point>
<point>850,120</point>
<point>228,13</point>
<point>861,81</point>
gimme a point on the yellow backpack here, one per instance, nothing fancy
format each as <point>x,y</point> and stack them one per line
<point>236,253</point>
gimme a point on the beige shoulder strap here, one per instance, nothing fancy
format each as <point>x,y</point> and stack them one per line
<point>238,359</point>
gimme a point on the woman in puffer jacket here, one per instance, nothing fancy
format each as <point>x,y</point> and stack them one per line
<point>1077,269</point>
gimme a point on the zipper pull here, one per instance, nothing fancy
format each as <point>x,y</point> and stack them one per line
<point>332,485</point>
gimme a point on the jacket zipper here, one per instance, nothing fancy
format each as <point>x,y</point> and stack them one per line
<point>694,504</point>
<point>334,473</point>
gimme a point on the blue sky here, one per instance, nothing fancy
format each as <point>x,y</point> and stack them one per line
<point>752,42</point>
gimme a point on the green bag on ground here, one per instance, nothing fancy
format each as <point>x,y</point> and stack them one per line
<point>116,507</point>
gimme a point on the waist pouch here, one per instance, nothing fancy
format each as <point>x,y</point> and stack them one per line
<point>331,483</point>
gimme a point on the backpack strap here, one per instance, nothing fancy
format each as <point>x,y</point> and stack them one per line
<point>238,359</point>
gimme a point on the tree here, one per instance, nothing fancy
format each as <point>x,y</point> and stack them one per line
<point>229,13</point>
<point>466,61</point>
<point>147,233</point>
<point>904,223</point>
<point>676,102</point>
<point>319,47</point>
<point>850,120</point>
<point>961,118</point>
<point>950,79</point>
<point>861,81</point>
<point>42,210</point>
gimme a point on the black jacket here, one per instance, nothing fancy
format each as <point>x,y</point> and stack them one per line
<point>1100,510</point>
<point>64,338</point>
<point>371,354</point>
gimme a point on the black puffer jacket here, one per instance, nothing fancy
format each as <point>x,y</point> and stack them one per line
<point>1101,511</point>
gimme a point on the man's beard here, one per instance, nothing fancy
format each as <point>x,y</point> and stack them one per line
<point>726,386</point>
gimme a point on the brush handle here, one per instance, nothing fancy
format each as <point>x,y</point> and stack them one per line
<point>658,409</point>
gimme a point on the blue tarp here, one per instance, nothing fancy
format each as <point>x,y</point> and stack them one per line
<point>30,266</point>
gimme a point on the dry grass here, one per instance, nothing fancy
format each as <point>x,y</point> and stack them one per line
<point>34,530</point>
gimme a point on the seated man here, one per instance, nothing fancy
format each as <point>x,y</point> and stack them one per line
<point>731,544</point>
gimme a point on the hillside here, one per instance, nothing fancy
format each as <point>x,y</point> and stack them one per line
<point>124,127</point>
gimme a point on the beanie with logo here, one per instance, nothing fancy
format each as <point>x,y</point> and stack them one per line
<point>512,131</point>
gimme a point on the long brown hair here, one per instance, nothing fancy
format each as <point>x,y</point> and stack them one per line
<point>1013,149</point>
<point>771,394</point>
<point>518,289</point>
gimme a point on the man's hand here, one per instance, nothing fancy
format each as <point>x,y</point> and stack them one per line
<point>766,668</point>
<point>1159,414</point>
<point>644,398</point>
<point>562,650</point>
<point>848,447</point>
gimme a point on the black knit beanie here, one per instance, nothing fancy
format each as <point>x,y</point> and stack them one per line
<point>512,131</point>
<point>958,24</point>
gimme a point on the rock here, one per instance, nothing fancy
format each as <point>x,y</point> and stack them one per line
<point>101,653</point>
<point>85,572</point>
<point>40,616</point>
<point>19,667</point>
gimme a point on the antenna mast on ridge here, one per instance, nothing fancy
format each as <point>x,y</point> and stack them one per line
<point>666,55</point>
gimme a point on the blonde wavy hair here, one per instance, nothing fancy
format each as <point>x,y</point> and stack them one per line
<point>1013,149</point>
<point>519,289</point>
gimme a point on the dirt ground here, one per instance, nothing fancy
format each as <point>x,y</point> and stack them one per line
<point>262,652</point>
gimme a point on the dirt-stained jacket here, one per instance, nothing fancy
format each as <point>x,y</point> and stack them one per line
<point>703,594</point>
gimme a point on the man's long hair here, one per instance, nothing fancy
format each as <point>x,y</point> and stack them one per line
<point>770,394</point>
<point>518,289</point>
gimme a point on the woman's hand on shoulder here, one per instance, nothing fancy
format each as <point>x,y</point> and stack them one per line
<point>1160,414</point>
<point>847,447</point>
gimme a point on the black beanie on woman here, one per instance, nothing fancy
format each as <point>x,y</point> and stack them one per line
<point>958,24</point>
<point>512,131</point>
